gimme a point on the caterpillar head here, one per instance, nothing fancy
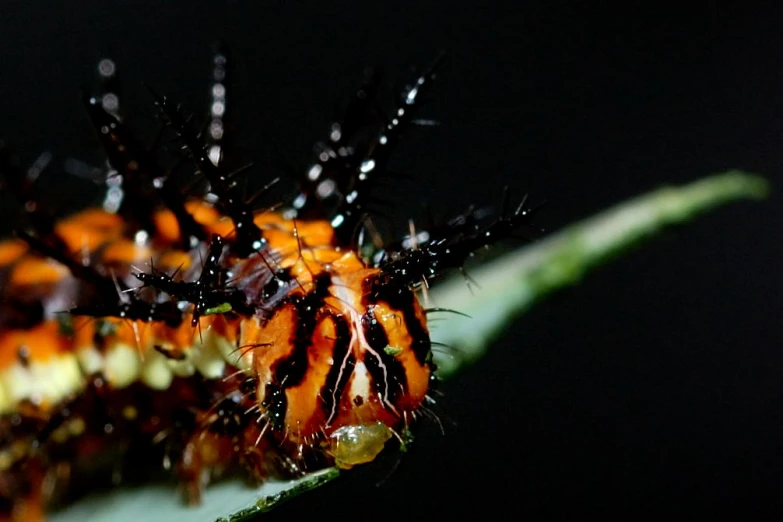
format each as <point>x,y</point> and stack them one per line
<point>343,366</point>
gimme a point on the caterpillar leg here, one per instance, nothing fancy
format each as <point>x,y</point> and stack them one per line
<point>205,455</point>
<point>23,501</point>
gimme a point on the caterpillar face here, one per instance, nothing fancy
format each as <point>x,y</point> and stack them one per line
<point>225,336</point>
<point>341,356</point>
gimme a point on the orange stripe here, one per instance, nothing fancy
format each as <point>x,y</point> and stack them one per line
<point>125,252</point>
<point>42,341</point>
<point>167,226</point>
<point>11,250</point>
<point>37,271</point>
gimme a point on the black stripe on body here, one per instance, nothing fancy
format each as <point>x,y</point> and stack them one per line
<point>402,299</point>
<point>275,404</point>
<point>341,370</point>
<point>289,372</point>
<point>387,372</point>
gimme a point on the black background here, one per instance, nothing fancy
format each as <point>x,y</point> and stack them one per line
<point>654,387</point>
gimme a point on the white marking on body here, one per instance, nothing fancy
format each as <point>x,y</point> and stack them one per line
<point>155,372</point>
<point>360,385</point>
<point>343,365</point>
<point>207,356</point>
<point>41,381</point>
<point>123,365</point>
<point>5,402</point>
<point>90,360</point>
<point>359,344</point>
<point>18,383</point>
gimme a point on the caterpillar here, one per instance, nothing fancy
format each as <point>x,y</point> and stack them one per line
<point>182,321</point>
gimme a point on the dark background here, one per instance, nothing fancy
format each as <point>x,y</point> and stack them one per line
<point>654,387</point>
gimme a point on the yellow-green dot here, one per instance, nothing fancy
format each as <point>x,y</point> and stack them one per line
<point>219,309</point>
<point>392,350</point>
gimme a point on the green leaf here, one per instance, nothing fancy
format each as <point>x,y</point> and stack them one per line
<point>511,284</point>
<point>226,501</point>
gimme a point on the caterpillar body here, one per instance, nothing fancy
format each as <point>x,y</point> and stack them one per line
<point>230,338</point>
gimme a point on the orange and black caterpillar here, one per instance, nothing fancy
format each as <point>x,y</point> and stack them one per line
<point>230,339</point>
